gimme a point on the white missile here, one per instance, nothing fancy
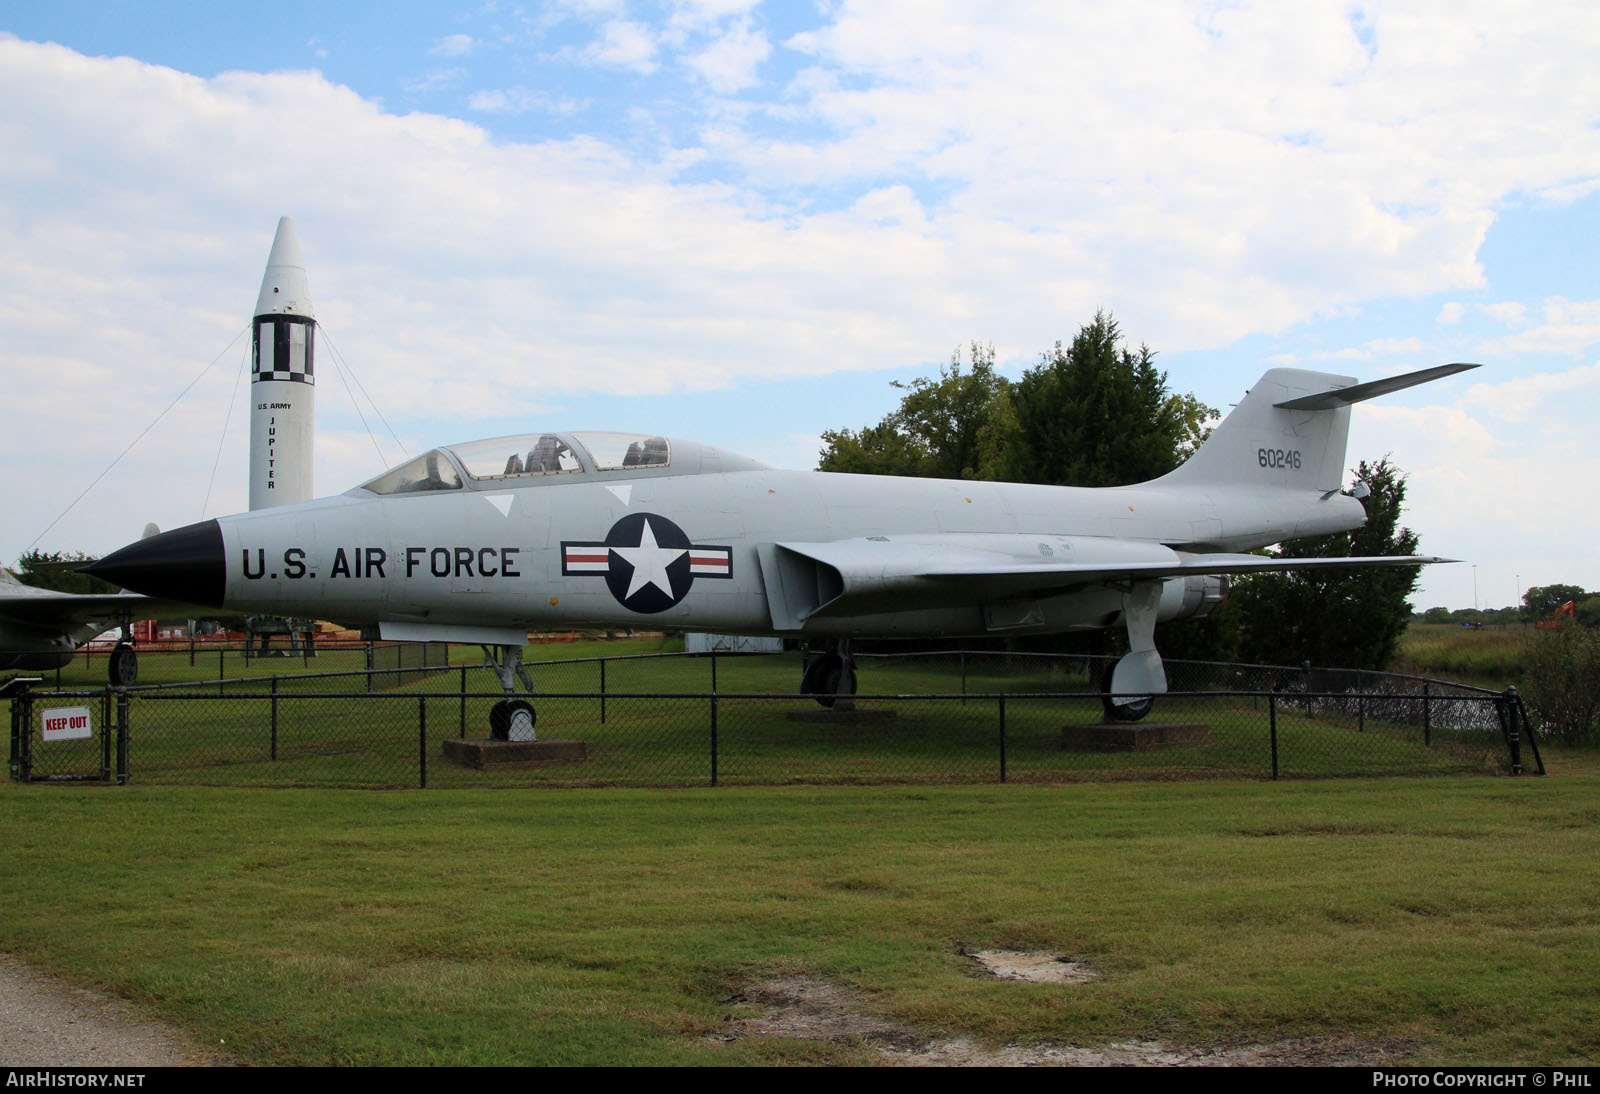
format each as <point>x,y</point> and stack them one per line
<point>282,380</point>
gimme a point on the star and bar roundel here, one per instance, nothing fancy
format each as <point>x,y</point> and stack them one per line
<point>647,561</point>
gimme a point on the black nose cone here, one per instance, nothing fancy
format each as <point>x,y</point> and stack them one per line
<point>184,564</point>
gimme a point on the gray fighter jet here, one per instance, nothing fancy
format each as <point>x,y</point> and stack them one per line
<point>483,542</point>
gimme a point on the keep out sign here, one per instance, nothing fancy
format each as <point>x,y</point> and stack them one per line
<point>66,723</point>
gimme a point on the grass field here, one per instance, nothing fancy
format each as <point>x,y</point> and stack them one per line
<point>1447,920</point>
<point>1490,657</point>
<point>1365,920</point>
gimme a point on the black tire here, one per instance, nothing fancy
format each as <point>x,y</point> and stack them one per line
<point>1122,712</point>
<point>123,668</point>
<point>502,714</point>
<point>825,679</point>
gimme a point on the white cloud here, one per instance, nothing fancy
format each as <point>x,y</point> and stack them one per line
<point>729,63</point>
<point>435,80</point>
<point>1450,314</point>
<point>1510,312</point>
<point>624,44</point>
<point>453,45</point>
<point>1569,327</point>
<point>522,100</point>
<point>1505,492</point>
<point>1524,398</point>
<point>1376,347</point>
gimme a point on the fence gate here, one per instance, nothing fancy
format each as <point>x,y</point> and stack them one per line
<point>69,736</point>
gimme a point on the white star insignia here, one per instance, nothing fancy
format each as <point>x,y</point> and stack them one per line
<point>649,562</point>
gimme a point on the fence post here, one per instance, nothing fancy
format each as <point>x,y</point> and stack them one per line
<point>18,701</point>
<point>274,717</point>
<point>1513,735</point>
<point>602,691</point>
<point>1427,720</point>
<point>964,691</point>
<point>1002,702</point>
<point>106,734</point>
<point>422,741</point>
<point>1521,710</point>
<point>25,752</point>
<point>714,756</point>
<point>713,672</point>
<point>463,730</point>
<point>1272,724</point>
<point>122,737</point>
<point>1305,682</point>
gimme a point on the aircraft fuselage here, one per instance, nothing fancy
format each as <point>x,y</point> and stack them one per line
<point>685,551</point>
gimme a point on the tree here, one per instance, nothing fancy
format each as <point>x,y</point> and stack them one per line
<point>1541,601</point>
<point>1093,414</point>
<point>1588,610</point>
<point>58,570</point>
<point>1098,414</point>
<point>941,430</point>
<point>1330,617</point>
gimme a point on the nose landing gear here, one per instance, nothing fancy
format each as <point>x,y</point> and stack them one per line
<point>510,719</point>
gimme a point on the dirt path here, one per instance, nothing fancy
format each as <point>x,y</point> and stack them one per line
<point>44,1023</point>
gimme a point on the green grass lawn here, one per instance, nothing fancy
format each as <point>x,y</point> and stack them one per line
<point>1448,920</point>
<point>1442,920</point>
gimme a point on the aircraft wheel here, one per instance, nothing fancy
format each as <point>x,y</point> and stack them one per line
<point>502,715</point>
<point>123,668</point>
<point>1122,712</point>
<point>827,678</point>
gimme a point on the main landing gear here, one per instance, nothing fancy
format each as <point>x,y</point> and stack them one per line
<point>510,719</point>
<point>1127,689</point>
<point>123,667</point>
<point>831,679</point>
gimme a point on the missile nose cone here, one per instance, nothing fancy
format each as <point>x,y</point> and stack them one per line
<point>285,289</point>
<point>184,564</point>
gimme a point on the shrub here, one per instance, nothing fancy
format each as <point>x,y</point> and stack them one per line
<point>1561,683</point>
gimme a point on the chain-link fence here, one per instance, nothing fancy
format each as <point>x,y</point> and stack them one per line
<point>728,718</point>
<point>674,720</point>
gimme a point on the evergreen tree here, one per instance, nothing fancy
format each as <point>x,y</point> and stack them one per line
<point>1096,414</point>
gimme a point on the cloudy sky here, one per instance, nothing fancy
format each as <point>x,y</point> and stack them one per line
<point>740,221</point>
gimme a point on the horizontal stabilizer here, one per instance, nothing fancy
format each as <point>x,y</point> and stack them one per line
<point>1344,396</point>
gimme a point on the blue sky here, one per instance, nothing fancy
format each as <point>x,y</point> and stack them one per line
<point>741,221</point>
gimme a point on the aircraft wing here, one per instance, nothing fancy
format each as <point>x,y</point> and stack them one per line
<point>66,611</point>
<point>888,573</point>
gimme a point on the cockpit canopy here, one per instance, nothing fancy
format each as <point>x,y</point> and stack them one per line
<point>528,458</point>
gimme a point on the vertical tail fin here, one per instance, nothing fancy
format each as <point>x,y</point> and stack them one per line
<point>1289,431</point>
